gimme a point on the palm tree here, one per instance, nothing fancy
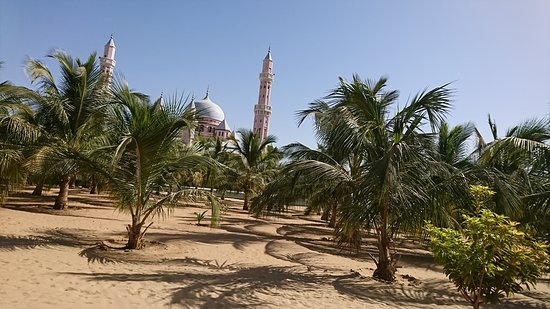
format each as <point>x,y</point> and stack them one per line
<point>71,113</point>
<point>149,154</point>
<point>293,183</point>
<point>216,149</point>
<point>255,162</point>
<point>452,144</point>
<point>522,157</point>
<point>452,149</point>
<point>389,172</point>
<point>17,131</point>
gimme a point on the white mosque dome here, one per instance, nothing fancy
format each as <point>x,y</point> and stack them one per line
<point>208,109</point>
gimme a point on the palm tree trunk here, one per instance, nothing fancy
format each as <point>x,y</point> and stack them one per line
<point>135,236</point>
<point>62,199</point>
<point>332,222</point>
<point>93,186</point>
<point>246,197</point>
<point>39,187</point>
<point>385,269</point>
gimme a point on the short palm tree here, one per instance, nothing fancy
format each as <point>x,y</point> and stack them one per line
<point>148,155</point>
<point>254,163</point>
<point>386,171</point>
<point>71,113</point>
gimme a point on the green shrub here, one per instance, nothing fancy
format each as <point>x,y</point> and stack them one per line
<point>489,258</point>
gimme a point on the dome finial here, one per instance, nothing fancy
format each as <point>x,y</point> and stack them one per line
<point>207,91</point>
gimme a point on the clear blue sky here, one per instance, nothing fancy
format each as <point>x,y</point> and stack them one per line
<point>496,51</point>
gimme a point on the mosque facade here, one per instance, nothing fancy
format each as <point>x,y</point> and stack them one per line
<point>211,121</point>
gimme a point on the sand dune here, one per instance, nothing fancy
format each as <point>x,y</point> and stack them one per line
<point>50,259</point>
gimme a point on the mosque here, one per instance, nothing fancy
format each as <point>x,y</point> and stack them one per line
<point>211,118</point>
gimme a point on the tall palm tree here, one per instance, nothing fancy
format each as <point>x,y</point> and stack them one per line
<point>255,162</point>
<point>390,172</point>
<point>72,113</point>
<point>149,154</point>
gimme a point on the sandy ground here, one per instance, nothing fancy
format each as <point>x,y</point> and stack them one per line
<point>48,259</point>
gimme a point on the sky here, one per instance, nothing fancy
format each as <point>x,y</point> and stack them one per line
<point>496,53</point>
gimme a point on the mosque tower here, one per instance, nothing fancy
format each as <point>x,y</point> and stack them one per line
<point>262,110</point>
<point>107,62</point>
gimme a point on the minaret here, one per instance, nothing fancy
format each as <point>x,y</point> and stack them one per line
<point>262,110</point>
<point>107,62</point>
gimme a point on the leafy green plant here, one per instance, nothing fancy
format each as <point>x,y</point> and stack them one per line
<point>200,216</point>
<point>490,258</point>
<point>482,196</point>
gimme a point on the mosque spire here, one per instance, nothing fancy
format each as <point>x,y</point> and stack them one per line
<point>262,110</point>
<point>107,62</point>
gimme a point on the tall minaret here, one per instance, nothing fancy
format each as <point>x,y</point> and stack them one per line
<point>107,62</point>
<point>262,110</point>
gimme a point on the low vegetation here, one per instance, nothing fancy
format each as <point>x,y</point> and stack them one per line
<point>489,258</point>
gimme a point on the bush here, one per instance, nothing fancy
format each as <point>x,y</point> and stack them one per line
<point>490,258</point>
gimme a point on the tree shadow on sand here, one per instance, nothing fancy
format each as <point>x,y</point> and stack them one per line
<point>47,238</point>
<point>9,243</point>
<point>223,288</point>
<point>26,202</point>
<point>434,293</point>
<point>206,284</point>
<point>48,210</point>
